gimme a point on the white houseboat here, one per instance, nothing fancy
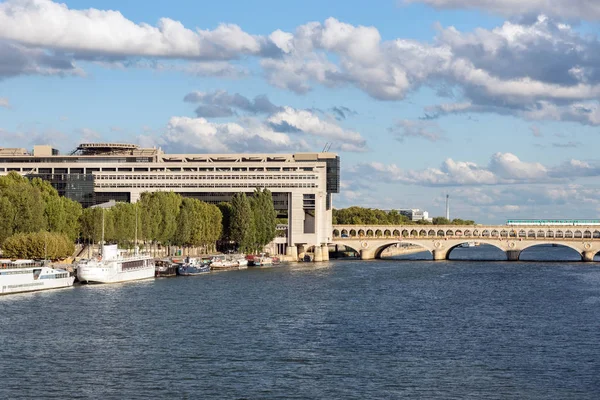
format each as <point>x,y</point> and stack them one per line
<point>115,266</point>
<point>29,275</point>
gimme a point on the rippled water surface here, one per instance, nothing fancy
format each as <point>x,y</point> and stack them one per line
<point>343,329</point>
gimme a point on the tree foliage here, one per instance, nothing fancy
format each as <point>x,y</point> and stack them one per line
<point>242,222</point>
<point>265,218</point>
<point>34,205</point>
<point>38,245</point>
<point>370,216</point>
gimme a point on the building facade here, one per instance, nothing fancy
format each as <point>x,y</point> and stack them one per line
<point>415,214</point>
<point>302,184</point>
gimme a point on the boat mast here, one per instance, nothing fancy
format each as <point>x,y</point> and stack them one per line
<point>102,242</point>
<point>135,246</point>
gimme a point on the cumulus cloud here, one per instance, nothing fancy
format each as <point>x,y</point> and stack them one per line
<point>577,9</point>
<point>223,104</point>
<point>427,130</point>
<point>185,133</point>
<point>538,69</point>
<point>293,120</point>
<point>92,32</point>
<point>4,102</point>
<point>503,168</point>
<point>16,59</point>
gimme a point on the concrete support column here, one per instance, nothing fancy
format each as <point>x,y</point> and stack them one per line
<point>318,254</point>
<point>292,251</point>
<point>325,251</point>
<point>588,256</point>
<point>513,255</point>
<point>367,254</point>
<point>301,251</point>
<point>440,254</point>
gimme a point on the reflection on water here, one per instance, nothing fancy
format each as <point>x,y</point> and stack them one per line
<point>343,329</point>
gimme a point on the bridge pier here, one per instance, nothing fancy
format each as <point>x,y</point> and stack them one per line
<point>440,255</point>
<point>588,256</point>
<point>513,255</point>
<point>325,251</point>
<point>367,254</point>
<point>292,251</point>
<point>318,254</point>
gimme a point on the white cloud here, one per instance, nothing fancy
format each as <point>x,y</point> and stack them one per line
<point>579,9</point>
<point>503,168</point>
<point>290,119</point>
<point>200,134</point>
<point>4,102</point>
<point>44,23</point>
<point>537,69</point>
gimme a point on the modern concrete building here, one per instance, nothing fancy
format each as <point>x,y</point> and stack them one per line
<point>302,184</point>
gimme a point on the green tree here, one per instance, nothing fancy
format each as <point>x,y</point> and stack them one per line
<point>226,211</point>
<point>38,245</point>
<point>441,221</point>
<point>242,222</point>
<point>265,218</point>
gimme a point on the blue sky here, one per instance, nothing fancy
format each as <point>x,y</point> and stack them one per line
<point>494,104</point>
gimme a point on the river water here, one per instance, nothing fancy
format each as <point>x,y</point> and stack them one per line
<point>345,329</point>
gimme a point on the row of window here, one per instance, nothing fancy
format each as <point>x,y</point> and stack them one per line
<point>133,264</point>
<point>202,185</point>
<point>205,177</point>
<point>55,276</point>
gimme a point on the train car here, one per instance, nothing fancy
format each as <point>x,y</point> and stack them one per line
<point>553,222</point>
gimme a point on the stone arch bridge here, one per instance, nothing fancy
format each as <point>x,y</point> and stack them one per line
<point>440,240</point>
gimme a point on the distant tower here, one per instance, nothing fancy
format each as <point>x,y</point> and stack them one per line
<point>448,207</point>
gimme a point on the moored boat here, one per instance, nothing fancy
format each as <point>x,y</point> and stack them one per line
<point>115,266</point>
<point>165,268</point>
<point>260,261</point>
<point>28,275</point>
<point>193,266</point>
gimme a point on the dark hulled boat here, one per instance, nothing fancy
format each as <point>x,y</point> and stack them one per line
<point>165,268</point>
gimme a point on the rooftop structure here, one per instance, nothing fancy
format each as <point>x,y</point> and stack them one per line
<point>302,184</point>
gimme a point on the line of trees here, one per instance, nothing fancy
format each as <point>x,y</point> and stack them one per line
<point>165,218</point>
<point>371,216</point>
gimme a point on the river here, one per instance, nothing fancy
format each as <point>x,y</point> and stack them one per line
<point>345,329</point>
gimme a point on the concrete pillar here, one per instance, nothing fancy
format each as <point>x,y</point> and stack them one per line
<point>325,251</point>
<point>588,256</point>
<point>301,251</point>
<point>440,254</point>
<point>367,254</point>
<point>292,251</point>
<point>318,254</point>
<point>513,255</point>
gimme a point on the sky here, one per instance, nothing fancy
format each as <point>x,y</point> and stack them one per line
<point>493,102</point>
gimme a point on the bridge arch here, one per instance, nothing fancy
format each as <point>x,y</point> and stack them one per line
<point>492,243</point>
<point>381,248</point>
<point>576,253</point>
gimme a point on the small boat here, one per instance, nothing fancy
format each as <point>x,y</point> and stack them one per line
<point>165,268</point>
<point>468,244</point>
<point>193,266</point>
<point>242,263</point>
<point>260,261</point>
